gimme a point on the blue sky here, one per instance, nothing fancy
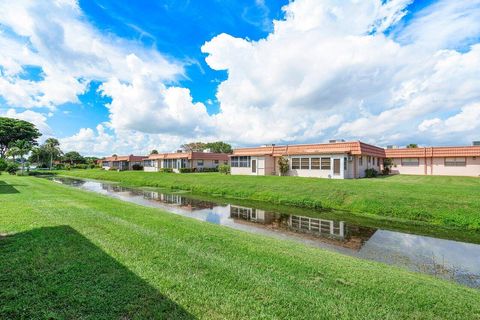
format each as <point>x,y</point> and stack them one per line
<point>177,29</point>
<point>127,76</point>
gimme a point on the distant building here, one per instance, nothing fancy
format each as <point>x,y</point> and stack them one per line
<point>121,162</point>
<point>197,161</point>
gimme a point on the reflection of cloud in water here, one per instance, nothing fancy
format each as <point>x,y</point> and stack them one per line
<point>213,217</point>
<point>391,244</point>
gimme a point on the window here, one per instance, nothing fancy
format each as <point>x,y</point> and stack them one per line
<point>148,163</point>
<point>216,161</point>
<point>455,162</point>
<point>242,162</point>
<point>369,159</point>
<point>305,163</point>
<point>410,162</point>
<point>325,163</point>
<point>378,162</point>
<point>315,163</point>
<point>360,161</point>
<point>199,162</point>
<point>170,163</point>
<point>344,164</point>
<point>295,163</point>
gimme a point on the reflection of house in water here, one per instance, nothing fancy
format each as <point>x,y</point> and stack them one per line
<point>178,200</point>
<point>331,231</point>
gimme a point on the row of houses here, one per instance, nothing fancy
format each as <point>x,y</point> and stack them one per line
<point>175,161</point>
<point>335,160</point>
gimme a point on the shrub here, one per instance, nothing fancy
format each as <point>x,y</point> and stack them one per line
<point>283,165</point>
<point>207,170</point>
<point>224,168</point>
<point>59,166</point>
<point>387,165</point>
<point>371,173</point>
<point>112,169</point>
<point>3,165</point>
<point>92,166</point>
<point>166,170</point>
<point>81,166</point>
<point>187,170</point>
<point>137,167</point>
<point>12,168</point>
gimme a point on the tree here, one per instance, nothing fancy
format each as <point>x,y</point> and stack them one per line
<point>193,147</point>
<point>52,147</point>
<point>23,147</point>
<point>283,165</point>
<point>12,152</point>
<point>219,147</point>
<point>73,157</point>
<point>39,156</point>
<point>412,146</point>
<point>154,151</point>
<point>12,130</point>
<point>91,161</point>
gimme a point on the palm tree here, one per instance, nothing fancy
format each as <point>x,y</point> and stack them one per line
<point>23,147</point>
<point>13,151</point>
<point>52,146</point>
<point>36,154</point>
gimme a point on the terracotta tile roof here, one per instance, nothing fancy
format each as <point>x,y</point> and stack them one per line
<point>354,148</point>
<point>189,155</point>
<point>428,152</point>
<point>124,158</point>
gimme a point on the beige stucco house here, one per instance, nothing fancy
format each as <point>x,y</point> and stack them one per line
<point>121,162</point>
<point>335,160</point>
<point>441,161</point>
<point>177,160</point>
<point>347,160</point>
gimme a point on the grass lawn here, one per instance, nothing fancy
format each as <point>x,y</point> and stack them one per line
<point>441,201</point>
<point>67,253</point>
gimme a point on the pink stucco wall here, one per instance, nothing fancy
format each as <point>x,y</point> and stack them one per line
<point>438,168</point>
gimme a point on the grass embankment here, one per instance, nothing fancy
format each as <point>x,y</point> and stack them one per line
<point>442,201</point>
<point>75,254</point>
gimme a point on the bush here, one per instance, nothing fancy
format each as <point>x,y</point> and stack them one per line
<point>137,167</point>
<point>207,169</point>
<point>224,168</point>
<point>187,170</point>
<point>387,166</point>
<point>166,170</point>
<point>81,166</point>
<point>283,165</point>
<point>59,166</point>
<point>371,173</point>
<point>3,165</point>
<point>12,168</point>
<point>112,169</point>
<point>92,166</point>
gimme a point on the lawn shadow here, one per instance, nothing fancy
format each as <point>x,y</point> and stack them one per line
<point>55,272</point>
<point>6,188</point>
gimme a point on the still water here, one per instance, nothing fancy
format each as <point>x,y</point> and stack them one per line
<point>457,261</point>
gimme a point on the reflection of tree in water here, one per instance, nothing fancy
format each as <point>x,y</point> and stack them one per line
<point>69,181</point>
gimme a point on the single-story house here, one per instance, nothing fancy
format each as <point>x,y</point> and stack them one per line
<point>336,160</point>
<point>346,160</point>
<point>121,162</point>
<point>177,160</point>
<point>441,161</point>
